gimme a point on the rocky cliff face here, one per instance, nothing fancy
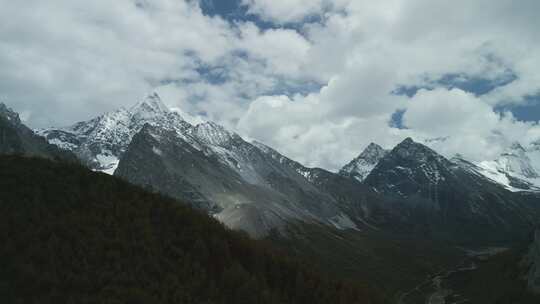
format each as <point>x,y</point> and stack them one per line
<point>16,138</point>
<point>253,187</point>
<point>205,164</point>
<point>450,199</point>
<point>237,182</point>
<point>367,208</point>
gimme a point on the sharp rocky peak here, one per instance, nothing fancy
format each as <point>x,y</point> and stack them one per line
<point>104,139</point>
<point>516,161</point>
<point>152,105</point>
<point>362,165</point>
<point>373,152</point>
<point>213,133</point>
<point>408,148</point>
<point>408,142</point>
<point>409,169</point>
<point>9,114</point>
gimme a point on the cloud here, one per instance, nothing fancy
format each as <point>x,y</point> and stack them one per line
<point>283,11</point>
<point>468,125</point>
<point>319,89</point>
<point>79,57</point>
<point>283,50</point>
<point>306,129</point>
<point>443,112</point>
<point>368,49</point>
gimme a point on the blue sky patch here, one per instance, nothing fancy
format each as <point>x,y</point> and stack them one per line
<point>396,120</point>
<point>233,11</point>
<point>529,111</point>
<point>475,85</point>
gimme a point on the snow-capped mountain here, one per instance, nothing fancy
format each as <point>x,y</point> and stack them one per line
<point>205,164</point>
<point>218,171</point>
<point>451,198</point>
<point>100,142</point>
<point>365,207</point>
<point>513,169</point>
<point>253,187</point>
<point>409,165</point>
<point>361,166</point>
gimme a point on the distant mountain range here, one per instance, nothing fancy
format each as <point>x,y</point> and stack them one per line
<point>236,181</point>
<point>252,187</point>
<point>409,194</point>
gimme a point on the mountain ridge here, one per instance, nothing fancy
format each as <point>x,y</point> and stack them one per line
<point>237,182</point>
<point>100,142</point>
<point>450,199</point>
<point>17,138</point>
<point>361,166</point>
<point>252,187</point>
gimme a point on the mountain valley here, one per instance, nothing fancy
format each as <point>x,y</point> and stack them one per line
<point>391,217</point>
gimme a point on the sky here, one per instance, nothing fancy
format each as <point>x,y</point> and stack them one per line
<point>316,79</point>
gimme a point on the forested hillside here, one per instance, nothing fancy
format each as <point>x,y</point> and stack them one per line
<point>73,236</point>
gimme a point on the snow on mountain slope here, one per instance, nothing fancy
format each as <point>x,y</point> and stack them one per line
<point>364,206</point>
<point>451,198</point>
<point>100,142</point>
<point>405,168</point>
<point>234,180</point>
<point>516,161</point>
<point>361,166</point>
<point>513,169</point>
<point>204,164</point>
<point>296,166</point>
<point>485,170</point>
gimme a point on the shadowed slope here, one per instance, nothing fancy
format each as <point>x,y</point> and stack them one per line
<point>71,235</point>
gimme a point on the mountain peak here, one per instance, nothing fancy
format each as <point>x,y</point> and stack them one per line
<point>362,165</point>
<point>212,133</point>
<point>515,162</point>
<point>103,140</point>
<point>408,148</point>
<point>150,106</point>
<point>372,149</point>
<point>408,141</point>
<point>410,168</point>
<point>9,114</point>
